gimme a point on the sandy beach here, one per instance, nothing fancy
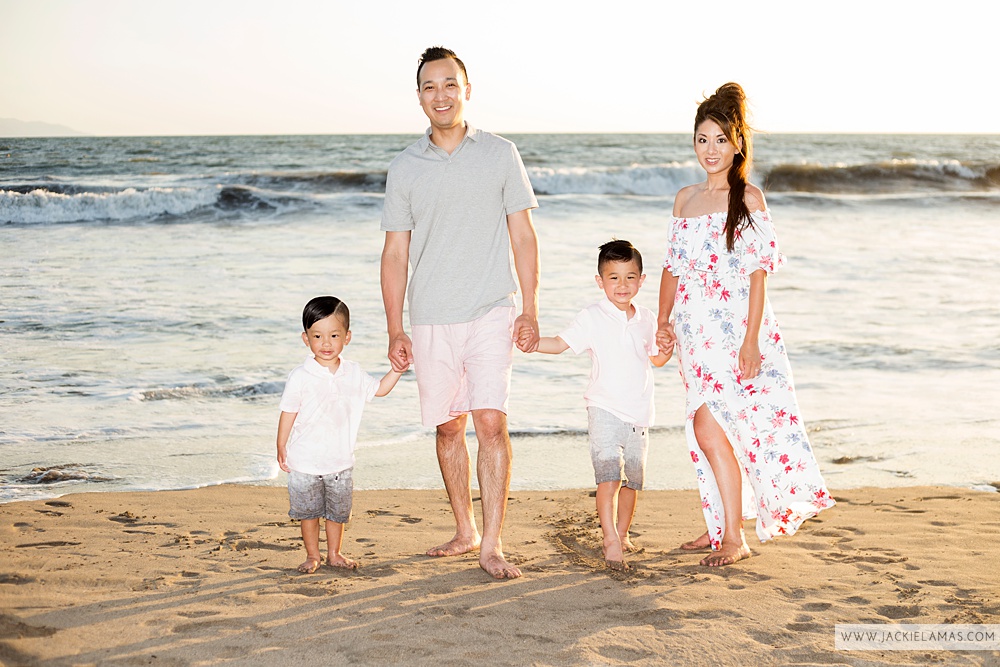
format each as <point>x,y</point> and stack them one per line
<point>207,577</point>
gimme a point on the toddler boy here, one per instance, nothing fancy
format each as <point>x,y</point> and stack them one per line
<point>321,410</point>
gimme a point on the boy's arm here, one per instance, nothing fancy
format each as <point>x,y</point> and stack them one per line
<point>662,357</point>
<point>284,430</point>
<point>387,382</point>
<point>551,345</point>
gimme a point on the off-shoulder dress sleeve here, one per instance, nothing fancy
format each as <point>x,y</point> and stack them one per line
<point>760,245</point>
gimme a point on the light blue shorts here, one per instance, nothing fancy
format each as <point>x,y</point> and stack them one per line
<point>617,449</point>
<point>321,496</point>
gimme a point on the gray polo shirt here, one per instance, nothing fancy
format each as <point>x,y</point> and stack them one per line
<point>456,207</point>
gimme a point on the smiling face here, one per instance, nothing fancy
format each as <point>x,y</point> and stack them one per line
<point>326,339</point>
<point>443,93</point>
<point>621,282</point>
<point>714,149</point>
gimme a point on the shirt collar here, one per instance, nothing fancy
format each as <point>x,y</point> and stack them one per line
<point>614,311</point>
<point>424,142</point>
<point>313,367</point>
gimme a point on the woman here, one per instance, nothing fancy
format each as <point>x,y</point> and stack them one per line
<point>747,440</point>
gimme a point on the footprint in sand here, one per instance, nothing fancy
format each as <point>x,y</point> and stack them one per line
<point>897,612</point>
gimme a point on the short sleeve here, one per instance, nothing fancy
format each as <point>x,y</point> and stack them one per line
<point>677,246</point>
<point>291,396</point>
<point>577,334</point>
<point>518,194</point>
<point>760,245</point>
<point>369,386</point>
<point>396,214</point>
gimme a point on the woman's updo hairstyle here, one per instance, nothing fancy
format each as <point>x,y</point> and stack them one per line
<point>728,108</point>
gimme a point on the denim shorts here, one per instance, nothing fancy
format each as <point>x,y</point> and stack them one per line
<point>617,449</point>
<point>321,496</point>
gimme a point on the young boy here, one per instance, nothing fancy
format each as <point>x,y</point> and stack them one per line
<point>620,337</point>
<point>320,413</point>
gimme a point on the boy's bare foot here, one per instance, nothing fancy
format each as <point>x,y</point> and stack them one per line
<point>497,566</point>
<point>617,565</point>
<point>628,547</point>
<point>701,543</point>
<point>614,556</point>
<point>310,566</point>
<point>728,553</point>
<point>456,546</point>
<point>339,560</point>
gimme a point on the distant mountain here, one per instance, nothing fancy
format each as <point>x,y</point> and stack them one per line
<point>11,127</point>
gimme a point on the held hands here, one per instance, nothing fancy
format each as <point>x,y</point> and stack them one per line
<point>665,337</point>
<point>749,360</point>
<point>526,333</point>
<point>400,352</point>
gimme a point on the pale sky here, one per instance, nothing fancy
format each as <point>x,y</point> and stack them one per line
<point>144,67</point>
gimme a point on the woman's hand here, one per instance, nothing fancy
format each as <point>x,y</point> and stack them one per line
<point>665,337</point>
<point>749,360</point>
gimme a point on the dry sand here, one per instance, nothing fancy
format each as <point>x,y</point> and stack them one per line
<point>207,577</point>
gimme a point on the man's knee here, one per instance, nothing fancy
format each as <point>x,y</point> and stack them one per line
<point>452,431</point>
<point>491,426</point>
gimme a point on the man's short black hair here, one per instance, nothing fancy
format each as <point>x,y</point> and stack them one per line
<point>439,53</point>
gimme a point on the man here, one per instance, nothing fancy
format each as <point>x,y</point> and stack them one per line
<point>457,202</point>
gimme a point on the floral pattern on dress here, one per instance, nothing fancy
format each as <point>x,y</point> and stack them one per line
<point>782,484</point>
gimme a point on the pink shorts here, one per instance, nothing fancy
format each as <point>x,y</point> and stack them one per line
<point>464,367</point>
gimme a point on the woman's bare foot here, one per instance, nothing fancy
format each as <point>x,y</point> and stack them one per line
<point>456,546</point>
<point>339,560</point>
<point>700,543</point>
<point>497,566</point>
<point>310,566</point>
<point>729,553</point>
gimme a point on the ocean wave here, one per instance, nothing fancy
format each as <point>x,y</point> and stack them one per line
<point>320,182</point>
<point>655,181</point>
<point>75,203</point>
<point>68,472</point>
<point>196,391</point>
<point>896,176</point>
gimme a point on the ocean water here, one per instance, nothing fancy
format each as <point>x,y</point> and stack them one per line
<point>151,291</point>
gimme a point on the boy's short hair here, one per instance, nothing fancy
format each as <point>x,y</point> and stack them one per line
<point>439,53</point>
<point>323,307</point>
<point>617,250</point>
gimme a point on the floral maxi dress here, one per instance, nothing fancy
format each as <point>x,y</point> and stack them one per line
<point>782,485</point>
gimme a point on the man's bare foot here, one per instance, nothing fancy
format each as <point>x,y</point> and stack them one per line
<point>339,560</point>
<point>701,543</point>
<point>497,566</point>
<point>310,566</point>
<point>729,553</point>
<point>456,546</point>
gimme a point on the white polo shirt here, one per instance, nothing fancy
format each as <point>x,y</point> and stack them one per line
<point>621,375</point>
<point>329,407</point>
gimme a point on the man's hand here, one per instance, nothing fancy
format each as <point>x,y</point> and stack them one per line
<point>400,352</point>
<point>526,333</point>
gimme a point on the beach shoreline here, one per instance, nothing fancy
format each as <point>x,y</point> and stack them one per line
<point>207,576</point>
